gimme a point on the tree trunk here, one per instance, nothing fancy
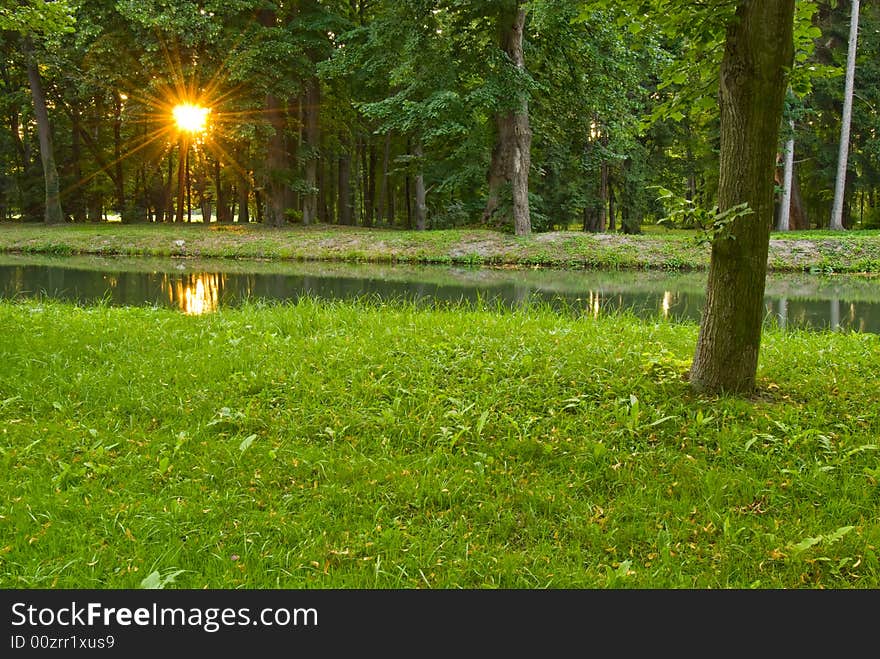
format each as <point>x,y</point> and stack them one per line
<point>843,157</point>
<point>119,176</point>
<point>799,220</point>
<point>784,223</point>
<point>345,205</point>
<point>222,209</point>
<point>511,156</point>
<point>313,144</point>
<point>603,198</point>
<point>758,52</point>
<point>370,196</point>
<point>276,162</point>
<point>181,177</point>
<point>76,203</point>
<point>421,194</point>
<point>384,192</point>
<point>53,213</point>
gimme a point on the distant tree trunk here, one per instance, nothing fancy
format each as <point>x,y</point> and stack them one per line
<point>119,176</point>
<point>276,161</point>
<point>384,193</point>
<point>323,192</point>
<point>244,216</point>
<point>53,213</point>
<point>276,151</point>
<point>77,198</point>
<point>181,177</point>
<point>222,210</point>
<point>258,205</point>
<point>189,192</point>
<point>345,205</point>
<point>798,220</point>
<point>313,144</point>
<point>759,50</point>
<point>421,194</point>
<point>370,193</point>
<point>511,156</point>
<point>784,223</point>
<point>603,198</point>
<point>612,216</point>
<point>843,157</point>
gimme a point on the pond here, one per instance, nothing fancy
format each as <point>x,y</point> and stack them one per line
<point>847,303</point>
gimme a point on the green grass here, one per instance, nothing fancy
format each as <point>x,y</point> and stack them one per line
<point>326,445</point>
<point>831,252</point>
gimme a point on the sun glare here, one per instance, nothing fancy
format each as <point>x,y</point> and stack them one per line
<point>191,118</point>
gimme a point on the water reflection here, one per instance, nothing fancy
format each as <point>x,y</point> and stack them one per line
<point>840,303</point>
<point>194,294</point>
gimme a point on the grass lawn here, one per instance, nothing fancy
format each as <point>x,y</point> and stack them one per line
<point>828,252</point>
<point>353,445</point>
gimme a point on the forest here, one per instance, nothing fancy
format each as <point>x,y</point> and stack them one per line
<point>417,114</point>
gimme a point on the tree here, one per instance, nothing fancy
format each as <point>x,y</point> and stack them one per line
<point>512,155</point>
<point>843,157</point>
<point>758,53</point>
<point>32,19</point>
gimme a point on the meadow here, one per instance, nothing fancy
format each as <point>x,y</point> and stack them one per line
<point>380,445</point>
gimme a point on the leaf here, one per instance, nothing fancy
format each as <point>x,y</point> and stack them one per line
<point>806,543</point>
<point>482,422</point>
<point>659,421</point>
<point>246,442</point>
<point>838,534</point>
<point>155,581</point>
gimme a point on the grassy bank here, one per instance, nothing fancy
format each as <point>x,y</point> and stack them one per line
<point>674,250</point>
<point>352,445</point>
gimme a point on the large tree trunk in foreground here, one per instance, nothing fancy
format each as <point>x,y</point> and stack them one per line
<point>53,213</point>
<point>759,49</point>
<point>512,155</point>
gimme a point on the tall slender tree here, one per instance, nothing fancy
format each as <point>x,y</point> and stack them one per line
<point>846,120</point>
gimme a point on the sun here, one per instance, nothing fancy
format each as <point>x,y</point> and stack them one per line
<point>191,118</point>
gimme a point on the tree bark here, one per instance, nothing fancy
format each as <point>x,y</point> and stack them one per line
<point>345,205</point>
<point>843,157</point>
<point>53,213</point>
<point>313,144</point>
<point>384,193</point>
<point>784,223</point>
<point>603,198</point>
<point>76,204</point>
<point>119,176</point>
<point>758,52</point>
<point>276,162</point>
<point>511,156</point>
<point>181,177</point>
<point>276,151</point>
<point>421,209</point>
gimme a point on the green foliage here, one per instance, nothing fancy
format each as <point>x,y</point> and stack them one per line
<point>712,225</point>
<point>37,17</point>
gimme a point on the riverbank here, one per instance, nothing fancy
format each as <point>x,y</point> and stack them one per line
<point>850,252</point>
<point>358,445</point>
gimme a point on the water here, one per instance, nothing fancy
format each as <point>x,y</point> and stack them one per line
<point>846,303</point>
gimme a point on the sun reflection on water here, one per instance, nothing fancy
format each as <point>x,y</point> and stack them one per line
<point>195,295</point>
